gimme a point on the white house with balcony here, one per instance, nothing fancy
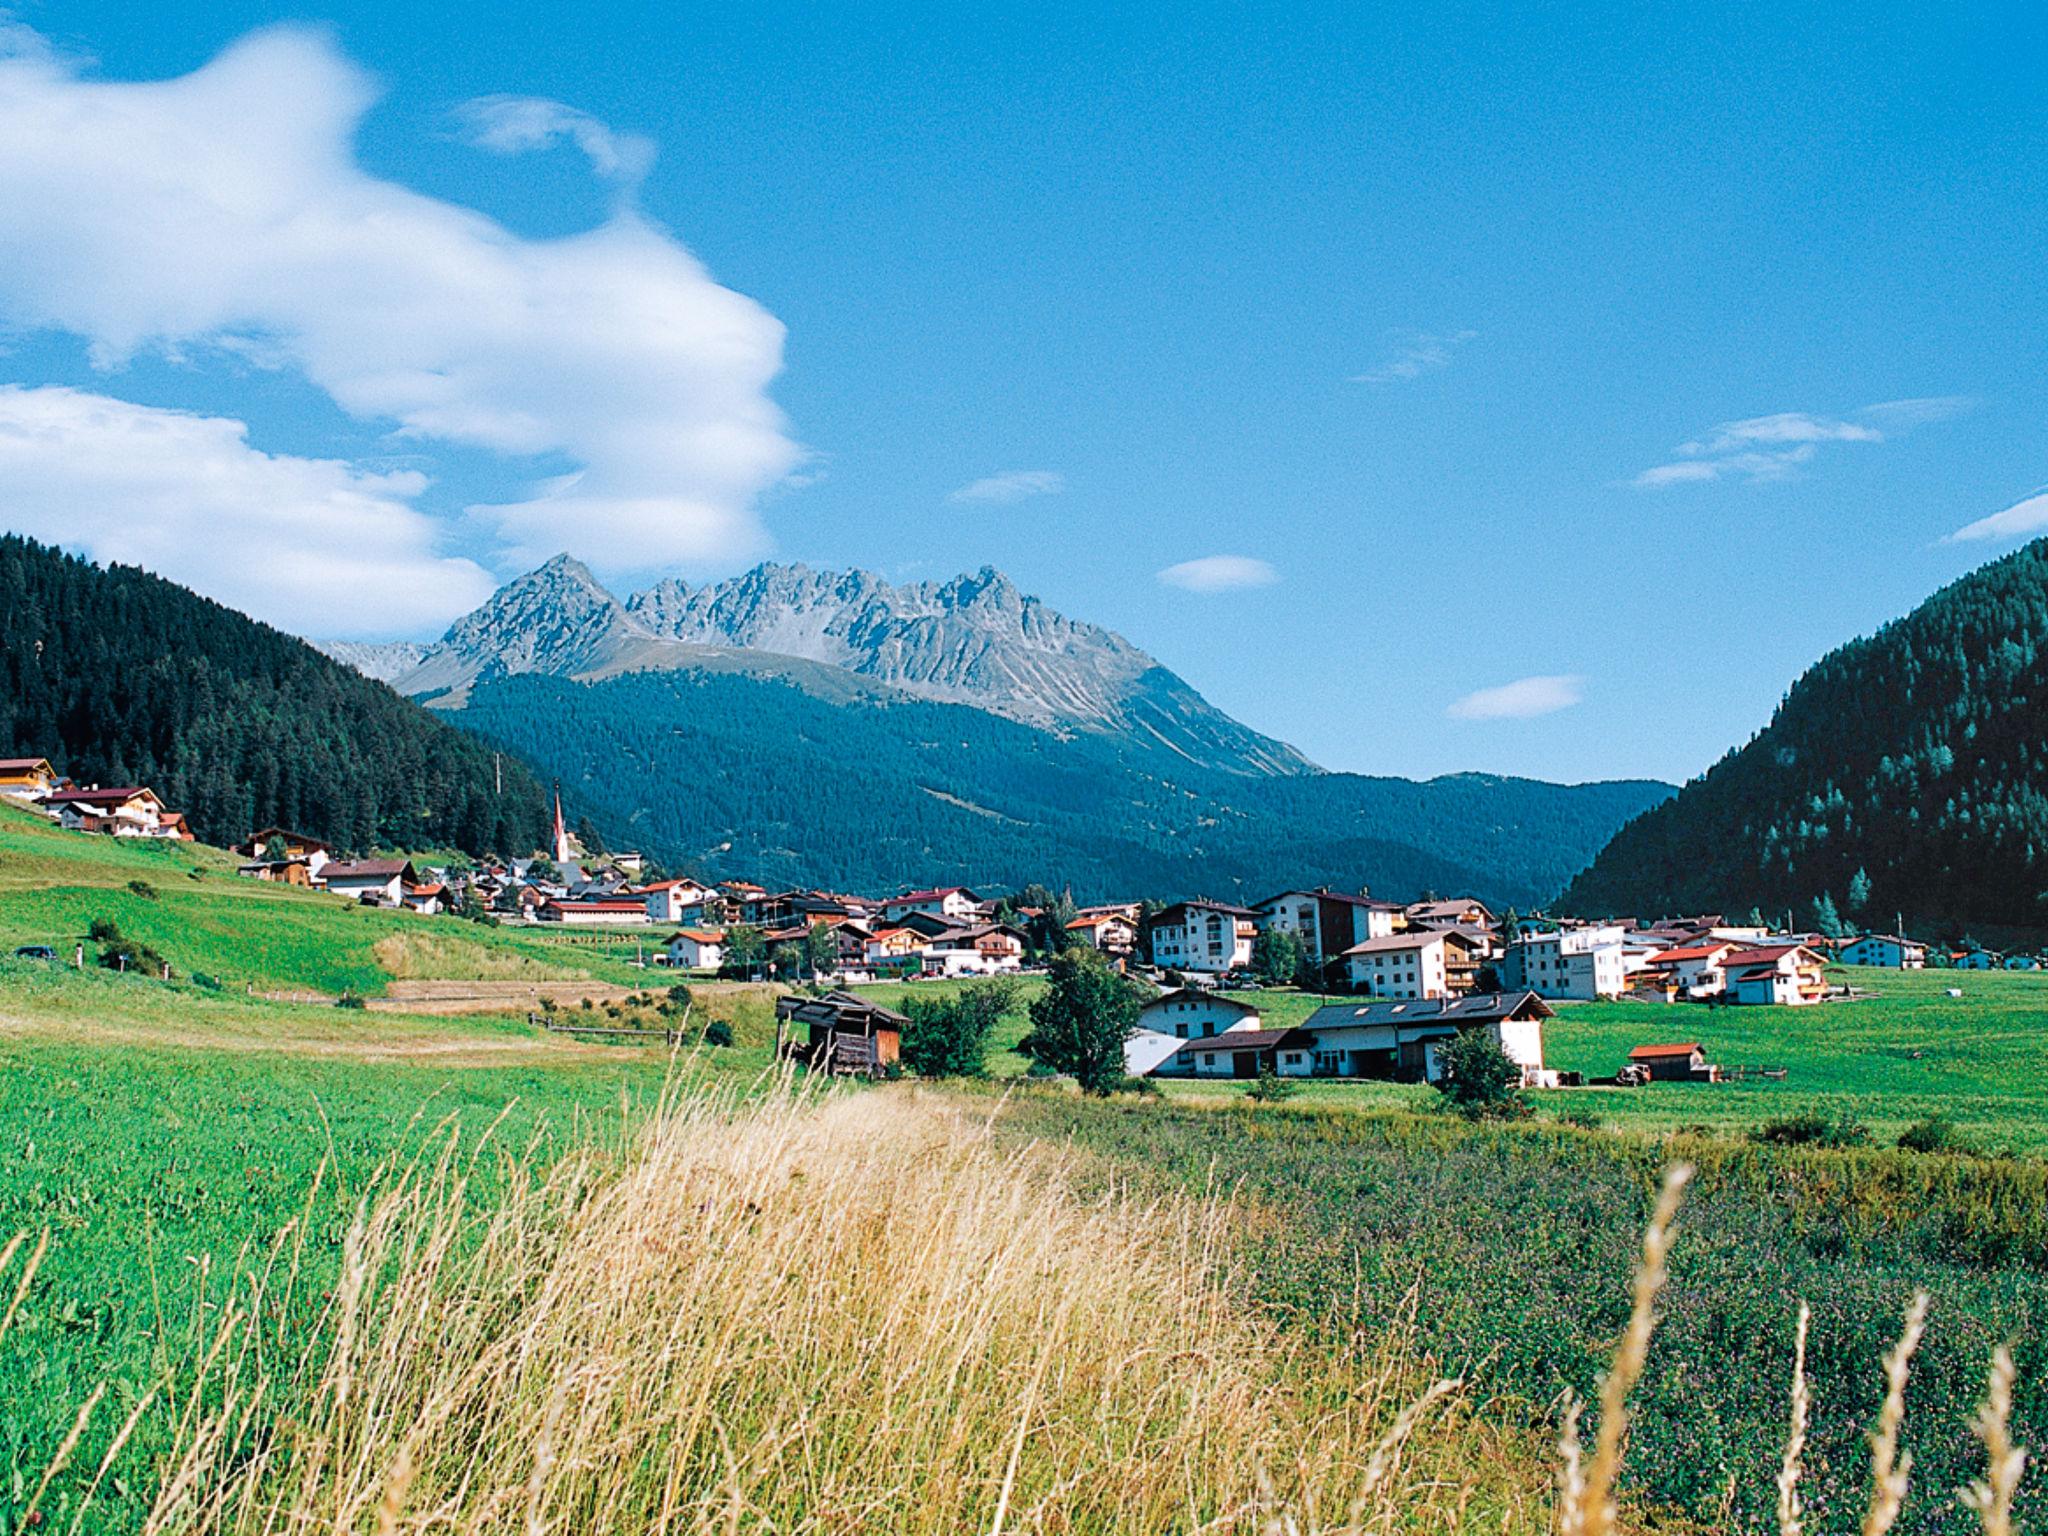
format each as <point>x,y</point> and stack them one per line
<point>1582,963</point>
<point>1202,937</point>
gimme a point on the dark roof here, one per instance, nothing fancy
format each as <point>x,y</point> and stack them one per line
<point>1247,1040</point>
<point>1203,904</point>
<point>839,1010</point>
<point>97,796</point>
<point>1371,902</point>
<point>1475,1008</point>
<point>367,869</point>
<point>1197,994</point>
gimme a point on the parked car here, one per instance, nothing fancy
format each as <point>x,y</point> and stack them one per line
<point>35,952</point>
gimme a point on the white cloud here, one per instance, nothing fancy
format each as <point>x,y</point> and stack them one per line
<point>2021,520</point>
<point>313,546</point>
<point>1523,699</point>
<point>513,125</point>
<point>1414,353</point>
<point>225,208</point>
<point>1219,573</point>
<point>1012,485</point>
<point>1764,448</point>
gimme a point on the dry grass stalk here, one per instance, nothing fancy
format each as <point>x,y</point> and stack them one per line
<point>808,1316</point>
<point>1992,1495</point>
<point>1789,1521</point>
<point>1891,1468</point>
<point>1587,1506</point>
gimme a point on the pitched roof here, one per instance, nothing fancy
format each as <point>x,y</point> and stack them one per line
<point>23,764</point>
<point>1196,994</point>
<point>366,869</point>
<point>1246,1040</point>
<point>1687,952</point>
<point>1096,920</point>
<point>1683,1048</point>
<point>1473,1008</point>
<point>1763,954</point>
<point>698,935</point>
<point>99,796</point>
<point>937,893</point>
<point>1395,942</point>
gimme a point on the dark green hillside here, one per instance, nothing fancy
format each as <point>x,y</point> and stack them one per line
<point>121,677</point>
<point>1915,756</point>
<point>738,775</point>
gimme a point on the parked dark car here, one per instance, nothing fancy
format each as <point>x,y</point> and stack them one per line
<point>35,952</point>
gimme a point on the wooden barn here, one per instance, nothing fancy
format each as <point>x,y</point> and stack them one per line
<point>843,1033</point>
<point>1684,1062</point>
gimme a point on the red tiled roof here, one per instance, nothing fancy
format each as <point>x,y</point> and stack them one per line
<point>1684,1048</point>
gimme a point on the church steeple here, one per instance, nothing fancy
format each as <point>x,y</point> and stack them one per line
<point>561,841</point>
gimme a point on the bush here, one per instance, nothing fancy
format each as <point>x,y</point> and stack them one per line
<point>1936,1133</point>
<point>104,931</point>
<point>350,1000</point>
<point>1137,1087</point>
<point>1813,1128</point>
<point>718,1033</point>
<point>125,955</point>
<point>205,982</point>
<point>1269,1087</point>
<point>679,996</point>
<point>948,1036</point>
<point>1479,1080</point>
<point>143,889</point>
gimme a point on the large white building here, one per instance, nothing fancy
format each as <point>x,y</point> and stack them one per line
<point>954,902</point>
<point>1190,1013</point>
<point>1204,937</point>
<point>1582,963</point>
<point>1326,923</point>
<point>1408,965</point>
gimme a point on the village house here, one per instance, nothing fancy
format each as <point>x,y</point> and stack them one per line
<point>1204,937</point>
<point>1782,974</point>
<point>1696,970</point>
<point>1111,932</point>
<point>955,903</point>
<point>1325,923</point>
<point>1582,963</point>
<point>275,843</point>
<point>843,1033</point>
<point>427,899</point>
<point>26,778</point>
<point>695,949</point>
<point>122,812</point>
<point>1888,950</point>
<point>1145,1050</point>
<point>1190,1013</point>
<point>1464,912</point>
<point>985,950</point>
<point>278,871</point>
<point>1977,960</point>
<point>382,881</point>
<point>893,946</point>
<point>674,901</point>
<point>1242,1053</point>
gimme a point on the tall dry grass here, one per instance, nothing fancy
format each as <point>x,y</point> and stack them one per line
<point>857,1312</point>
<point>848,1314</point>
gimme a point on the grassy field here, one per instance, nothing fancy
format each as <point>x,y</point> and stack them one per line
<point>1906,1052</point>
<point>187,902</point>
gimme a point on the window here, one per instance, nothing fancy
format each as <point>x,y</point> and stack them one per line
<point>1209,1060</point>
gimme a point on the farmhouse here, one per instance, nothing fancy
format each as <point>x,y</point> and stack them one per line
<point>1466,912</point>
<point>1787,974</point>
<point>382,881</point>
<point>427,899</point>
<point>844,1033</point>
<point>615,912</point>
<point>1685,1062</point>
<point>893,946</point>
<point>279,871</point>
<point>26,778</point>
<point>1242,1053</point>
<point>1884,949</point>
<point>1206,937</point>
<point>984,950</point>
<point>1397,1040</point>
<point>696,949</point>
<point>259,847</point>
<point>1193,1014</point>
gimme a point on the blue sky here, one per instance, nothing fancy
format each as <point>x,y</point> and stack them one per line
<point>1439,390</point>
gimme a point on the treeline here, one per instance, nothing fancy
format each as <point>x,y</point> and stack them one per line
<point>744,776</point>
<point>121,677</point>
<point>1902,774</point>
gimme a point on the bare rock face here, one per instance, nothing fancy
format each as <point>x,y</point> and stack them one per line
<point>382,660</point>
<point>974,640</point>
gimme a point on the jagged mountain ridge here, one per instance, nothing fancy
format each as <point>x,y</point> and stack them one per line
<point>975,640</point>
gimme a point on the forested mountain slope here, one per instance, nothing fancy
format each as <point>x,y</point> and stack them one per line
<point>121,677</point>
<point>1917,757</point>
<point>736,775</point>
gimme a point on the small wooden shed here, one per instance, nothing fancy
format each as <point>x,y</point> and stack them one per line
<point>1684,1062</point>
<point>842,1033</point>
